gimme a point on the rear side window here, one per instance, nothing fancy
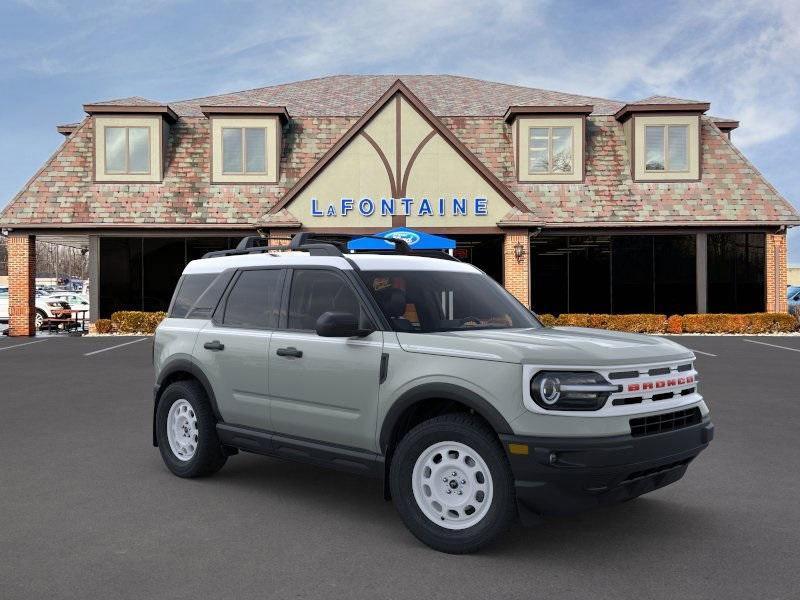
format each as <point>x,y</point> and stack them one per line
<point>189,290</point>
<point>316,291</point>
<point>254,300</point>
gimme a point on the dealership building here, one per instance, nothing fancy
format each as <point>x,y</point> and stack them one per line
<point>573,203</point>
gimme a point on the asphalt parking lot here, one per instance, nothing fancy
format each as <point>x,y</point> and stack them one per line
<point>87,509</point>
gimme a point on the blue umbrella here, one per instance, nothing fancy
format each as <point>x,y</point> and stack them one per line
<point>417,240</point>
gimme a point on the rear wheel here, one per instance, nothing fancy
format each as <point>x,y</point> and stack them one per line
<point>186,431</point>
<point>39,319</point>
<point>452,485</point>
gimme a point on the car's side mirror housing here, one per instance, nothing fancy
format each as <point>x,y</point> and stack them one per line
<point>339,324</point>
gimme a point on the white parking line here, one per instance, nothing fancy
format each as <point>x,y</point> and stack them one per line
<point>772,345</point>
<point>20,345</point>
<point>114,347</point>
<point>701,352</point>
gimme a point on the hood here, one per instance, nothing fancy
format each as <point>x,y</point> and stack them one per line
<point>556,346</point>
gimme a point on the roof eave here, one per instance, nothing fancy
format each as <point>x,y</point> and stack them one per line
<point>279,111</point>
<point>131,109</point>
<point>576,109</point>
<point>630,109</point>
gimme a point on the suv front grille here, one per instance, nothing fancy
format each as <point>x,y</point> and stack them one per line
<point>654,424</point>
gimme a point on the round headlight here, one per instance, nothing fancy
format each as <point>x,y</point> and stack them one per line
<point>549,389</point>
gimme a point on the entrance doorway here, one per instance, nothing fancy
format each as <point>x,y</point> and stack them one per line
<point>483,251</point>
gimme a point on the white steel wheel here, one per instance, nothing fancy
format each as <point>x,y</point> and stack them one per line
<point>182,432</point>
<point>452,485</point>
<point>39,320</point>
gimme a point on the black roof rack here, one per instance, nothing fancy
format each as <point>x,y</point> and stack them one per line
<point>320,244</point>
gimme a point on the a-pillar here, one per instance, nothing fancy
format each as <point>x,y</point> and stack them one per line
<point>516,264</point>
<point>21,284</point>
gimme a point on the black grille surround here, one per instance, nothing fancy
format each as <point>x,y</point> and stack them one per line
<point>654,424</point>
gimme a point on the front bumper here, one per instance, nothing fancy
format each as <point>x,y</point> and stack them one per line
<point>562,475</point>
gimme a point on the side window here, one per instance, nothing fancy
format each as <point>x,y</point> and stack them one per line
<point>254,301</point>
<point>316,291</point>
<point>191,286</point>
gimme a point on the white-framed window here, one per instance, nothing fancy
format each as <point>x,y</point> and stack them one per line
<point>244,150</point>
<point>666,148</point>
<point>127,150</point>
<point>550,150</point>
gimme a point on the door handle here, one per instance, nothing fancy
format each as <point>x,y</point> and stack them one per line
<point>290,351</point>
<point>215,345</point>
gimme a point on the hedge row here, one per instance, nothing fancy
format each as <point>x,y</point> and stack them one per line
<point>707,323</point>
<point>135,321</point>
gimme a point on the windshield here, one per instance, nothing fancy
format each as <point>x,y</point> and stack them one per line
<point>433,301</point>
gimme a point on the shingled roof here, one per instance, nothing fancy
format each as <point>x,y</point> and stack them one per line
<point>731,191</point>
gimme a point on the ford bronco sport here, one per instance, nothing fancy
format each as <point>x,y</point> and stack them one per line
<point>423,371</point>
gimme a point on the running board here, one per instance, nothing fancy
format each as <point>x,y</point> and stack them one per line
<point>341,458</point>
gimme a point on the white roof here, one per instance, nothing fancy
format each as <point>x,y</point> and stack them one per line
<point>366,262</point>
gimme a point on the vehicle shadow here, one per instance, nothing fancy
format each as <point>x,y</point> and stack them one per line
<point>644,525</point>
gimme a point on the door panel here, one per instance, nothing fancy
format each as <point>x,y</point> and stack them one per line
<point>238,372</point>
<point>329,394</point>
<point>324,388</point>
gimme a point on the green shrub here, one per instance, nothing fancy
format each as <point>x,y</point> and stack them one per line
<point>136,321</point>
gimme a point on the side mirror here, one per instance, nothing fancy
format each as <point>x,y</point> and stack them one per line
<point>339,324</point>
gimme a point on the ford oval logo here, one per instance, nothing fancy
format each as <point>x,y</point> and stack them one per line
<point>409,237</point>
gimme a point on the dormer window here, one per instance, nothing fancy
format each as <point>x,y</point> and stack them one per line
<point>666,148</point>
<point>245,143</point>
<point>548,142</point>
<point>127,150</point>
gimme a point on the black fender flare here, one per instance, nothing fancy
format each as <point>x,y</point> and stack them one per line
<point>182,365</point>
<point>445,391</point>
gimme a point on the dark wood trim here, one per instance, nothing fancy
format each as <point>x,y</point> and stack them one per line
<point>667,228</point>
<point>630,109</point>
<point>443,230</point>
<point>398,221</point>
<point>399,87</point>
<point>398,146</point>
<point>515,111</point>
<point>131,109</point>
<point>275,111</point>
<point>384,160</point>
<point>67,130</point>
<point>411,160</point>
<point>725,124</point>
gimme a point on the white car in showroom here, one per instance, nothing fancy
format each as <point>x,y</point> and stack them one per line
<point>47,307</point>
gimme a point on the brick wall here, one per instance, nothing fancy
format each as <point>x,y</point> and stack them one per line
<point>516,274</point>
<point>776,273</point>
<point>21,284</point>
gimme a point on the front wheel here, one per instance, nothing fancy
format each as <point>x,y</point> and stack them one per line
<point>452,485</point>
<point>186,431</point>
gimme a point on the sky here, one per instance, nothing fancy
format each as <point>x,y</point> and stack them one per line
<point>742,56</point>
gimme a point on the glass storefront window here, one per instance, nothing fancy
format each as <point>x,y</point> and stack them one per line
<point>736,272</point>
<point>614,274</point>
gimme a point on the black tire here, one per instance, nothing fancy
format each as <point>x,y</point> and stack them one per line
<point>209,456</point>
<point>471,431</point>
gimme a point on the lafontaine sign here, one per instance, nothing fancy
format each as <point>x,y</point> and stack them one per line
<point>422,207</point>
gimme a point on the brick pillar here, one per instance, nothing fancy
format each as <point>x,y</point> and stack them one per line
<point>775,273</point>
<point>516,273</point>
<point>21,284</point>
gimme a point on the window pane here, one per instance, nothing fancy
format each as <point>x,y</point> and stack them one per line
<point>736,272</point>
<point>654,148</point>
<point>632,274</point>
<point>190,289</point>
<point>562,149</point>
<point>256,151</point>
<point>163,260</point>
<point>231,150</point>
<point>678,140</point>
<point>549,276</point>
<point>115,149</point>
<point>538,150</point>
<point>315,292</point>
<point>589,274</point>
<point>253,301</point>
<point>138,149</point>
<point>120,265</point>
<point>675,274</point>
